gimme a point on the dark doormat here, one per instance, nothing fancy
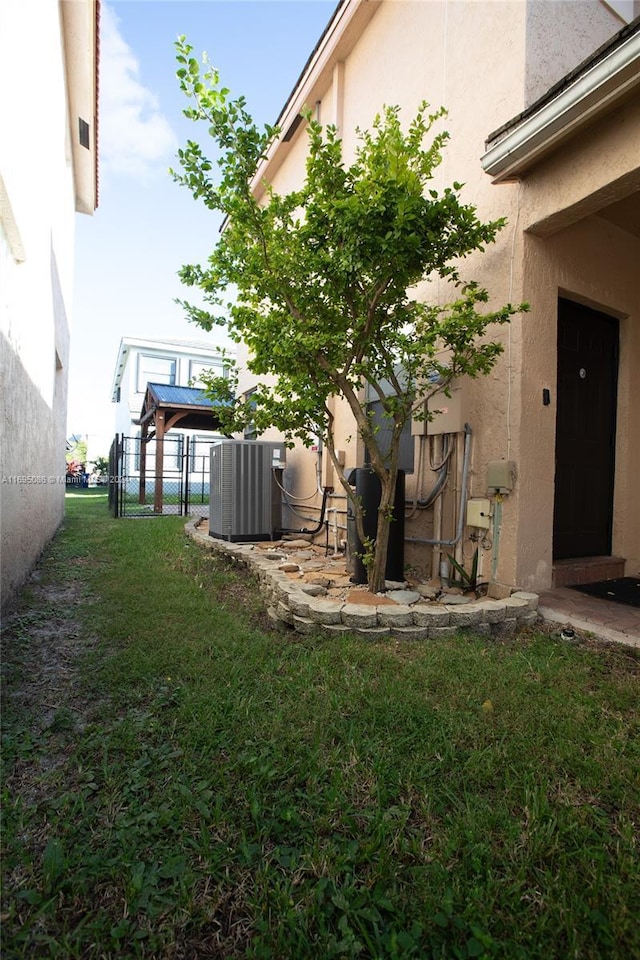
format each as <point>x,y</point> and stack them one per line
<point>622,590</point>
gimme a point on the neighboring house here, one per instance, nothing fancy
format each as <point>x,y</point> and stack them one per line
<point>178,363</point>
<point>543,104</point>
<point>173,363</point>
<point>48,172</point>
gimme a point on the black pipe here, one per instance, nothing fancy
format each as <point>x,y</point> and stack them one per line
<point>443,473</point>
<point>318,528</point>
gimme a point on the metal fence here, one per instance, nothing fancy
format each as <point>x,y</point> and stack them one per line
<point>182,489</point>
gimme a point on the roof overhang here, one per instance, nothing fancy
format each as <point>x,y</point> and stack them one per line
<point>594,90</point>
<point>340,36</point>
<point>80,30</point>
<point>121,362</point>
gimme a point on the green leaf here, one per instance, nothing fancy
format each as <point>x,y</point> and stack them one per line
<point>174,868</point>
<point>32,897</point>
<point>475,948</point>
<point>53,863</point>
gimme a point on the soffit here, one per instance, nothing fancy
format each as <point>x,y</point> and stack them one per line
<point>624,214</point>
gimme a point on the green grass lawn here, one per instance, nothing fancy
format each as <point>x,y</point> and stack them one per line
<point>180,781</point>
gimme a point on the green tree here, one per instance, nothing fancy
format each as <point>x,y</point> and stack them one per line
<point>322,278</point>
<point>101,465</point>
<point>76,450</point>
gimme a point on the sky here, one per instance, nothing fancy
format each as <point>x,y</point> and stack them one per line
<point>146,225</point>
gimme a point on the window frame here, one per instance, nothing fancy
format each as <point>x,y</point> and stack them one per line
<point>153,378</point>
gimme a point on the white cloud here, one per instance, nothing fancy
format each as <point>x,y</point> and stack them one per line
<point>136,139</point>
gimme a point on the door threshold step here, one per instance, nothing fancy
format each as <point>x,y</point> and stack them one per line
<point>577,570</point>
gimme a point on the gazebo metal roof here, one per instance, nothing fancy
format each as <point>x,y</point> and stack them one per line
<point>166,406</point>
<point>188,406</point>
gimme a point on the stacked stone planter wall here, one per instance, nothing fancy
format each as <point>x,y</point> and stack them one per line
<point>304,607</point>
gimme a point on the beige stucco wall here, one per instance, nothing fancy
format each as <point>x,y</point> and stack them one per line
<point>471,57</point>
<point>384,69</point>
<point>626,521</point>
<point>597,167</point>
<point>78,19</point>
<point>570,249</point>
<point>560,35</point>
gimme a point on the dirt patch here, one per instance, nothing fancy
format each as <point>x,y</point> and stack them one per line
<point>42,641</point>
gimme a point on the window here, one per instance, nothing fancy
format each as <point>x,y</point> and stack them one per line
<point>177,449</point>
<point>199,454</point>
<point>155,370</point>
<point>196,368</point>
<point>136,454</point>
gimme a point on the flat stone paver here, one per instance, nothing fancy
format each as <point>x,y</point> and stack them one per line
<point>367,599</point>
<point>404,596</point>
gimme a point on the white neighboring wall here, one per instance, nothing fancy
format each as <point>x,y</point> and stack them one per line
<point>47,84</point>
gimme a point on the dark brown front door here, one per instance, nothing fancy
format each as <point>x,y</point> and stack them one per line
<point>585,431</point>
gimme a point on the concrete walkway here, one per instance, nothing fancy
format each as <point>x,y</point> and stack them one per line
<point>605,619</point>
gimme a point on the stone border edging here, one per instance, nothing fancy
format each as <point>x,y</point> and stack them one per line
<point>288,603</point>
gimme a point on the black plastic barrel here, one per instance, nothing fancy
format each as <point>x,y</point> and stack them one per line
<point>368,489</point>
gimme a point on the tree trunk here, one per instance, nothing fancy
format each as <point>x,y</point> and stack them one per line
<point>376,573</point>
<point>376,570</point>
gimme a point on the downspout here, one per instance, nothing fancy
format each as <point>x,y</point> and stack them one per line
<point>458,549</point>
<point>437,531</point>
<point>437,511</point>
<point>497,526</point>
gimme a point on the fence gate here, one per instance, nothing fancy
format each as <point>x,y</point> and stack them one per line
<point>197,467</point>
<point>182,488</point>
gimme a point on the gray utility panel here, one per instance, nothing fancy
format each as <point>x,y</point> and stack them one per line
<point>245,499</point>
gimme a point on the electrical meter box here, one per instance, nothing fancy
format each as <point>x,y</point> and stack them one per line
<point>479,513</point>
<point>501,475</point>
<point>448,413</point>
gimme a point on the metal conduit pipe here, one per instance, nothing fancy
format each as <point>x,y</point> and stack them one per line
<point>336,527</point>
<point>463,493</point>
<point>414,502</point>
<point>429,500</point>
<point>314,530</point>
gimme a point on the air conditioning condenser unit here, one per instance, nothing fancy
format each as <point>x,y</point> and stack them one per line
<point>245,499</point>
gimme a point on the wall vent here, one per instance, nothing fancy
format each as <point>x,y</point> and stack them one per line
<point>84,133</point>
